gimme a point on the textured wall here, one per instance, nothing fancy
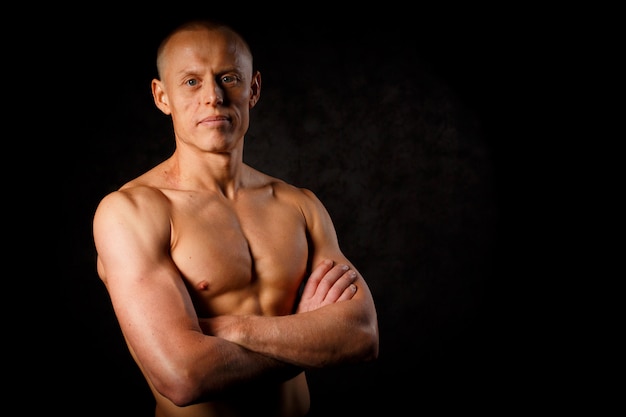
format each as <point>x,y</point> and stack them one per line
<point>390,124</point>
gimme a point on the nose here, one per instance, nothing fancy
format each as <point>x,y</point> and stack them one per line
<point>212,93</point>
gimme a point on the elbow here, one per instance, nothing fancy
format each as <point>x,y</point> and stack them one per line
<point>363,346</point>
<point>364,340</point>
<point>370,345</point>
<point>367,338</point>
<point>182,387</point>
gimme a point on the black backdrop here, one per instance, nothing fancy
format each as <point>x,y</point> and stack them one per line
<point>401,125</point>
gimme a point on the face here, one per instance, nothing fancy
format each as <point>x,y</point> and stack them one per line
<point>208,88</point>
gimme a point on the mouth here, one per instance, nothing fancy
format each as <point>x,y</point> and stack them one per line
<point>215,121</point>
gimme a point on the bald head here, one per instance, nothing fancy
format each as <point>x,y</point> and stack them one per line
<point>207,84</point>
<point>236,41</point>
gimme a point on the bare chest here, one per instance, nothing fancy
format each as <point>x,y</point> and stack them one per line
<point>245,258</point>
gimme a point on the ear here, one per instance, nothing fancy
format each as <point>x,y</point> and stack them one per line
<point>160,97</point>
<point>255,89</point>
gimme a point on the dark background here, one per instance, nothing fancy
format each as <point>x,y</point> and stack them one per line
<point>405,125</point>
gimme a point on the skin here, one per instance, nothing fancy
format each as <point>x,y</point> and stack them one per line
<point>203,256</point>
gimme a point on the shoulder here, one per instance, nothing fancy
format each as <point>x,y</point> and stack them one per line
<point>304,199</point>
<point>300,195</point>
<point>132,198</point>
<point>132,208</point>
<point>287,192</point>
<point>317,219</point>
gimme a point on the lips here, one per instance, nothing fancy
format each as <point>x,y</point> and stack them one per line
<point>215,120</point>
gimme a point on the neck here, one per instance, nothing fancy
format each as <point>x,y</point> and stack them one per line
<point>212,171</point>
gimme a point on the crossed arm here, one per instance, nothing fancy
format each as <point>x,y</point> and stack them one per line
<point>323,332</point>
<point>190,360</point>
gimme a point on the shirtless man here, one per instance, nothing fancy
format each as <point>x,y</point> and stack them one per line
<point>203,256</point>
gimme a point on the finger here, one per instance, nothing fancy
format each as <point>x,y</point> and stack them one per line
<point>317,290</point>
<point>328,281</point>
<point>342,287</point>
<point>348,293</point>
<point>316,276</point>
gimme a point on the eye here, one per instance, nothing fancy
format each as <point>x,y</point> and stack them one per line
<point>192,82</point>
<point>229,79</point>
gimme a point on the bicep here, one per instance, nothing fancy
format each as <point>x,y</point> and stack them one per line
<point>323,239</point>
<point>148,295</point>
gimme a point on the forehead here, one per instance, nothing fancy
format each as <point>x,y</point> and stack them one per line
<point>214,48</point>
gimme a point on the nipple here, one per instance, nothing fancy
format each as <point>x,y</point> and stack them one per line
<point>203,286</point>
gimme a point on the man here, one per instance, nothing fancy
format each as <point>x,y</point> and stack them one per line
<point>203,256</point>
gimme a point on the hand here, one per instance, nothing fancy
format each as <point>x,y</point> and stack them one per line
<point>328,284</point>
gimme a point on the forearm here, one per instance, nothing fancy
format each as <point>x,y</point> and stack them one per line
<point>344,332</point>
<point>239,365</point>
<point>214,368</point>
